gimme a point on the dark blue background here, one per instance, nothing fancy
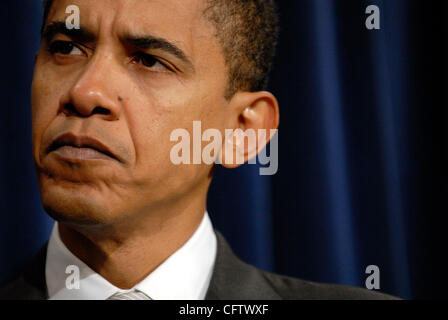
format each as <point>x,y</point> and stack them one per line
<point>361,150</point>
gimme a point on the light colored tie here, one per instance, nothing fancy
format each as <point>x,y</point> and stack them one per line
<point>133,295</point>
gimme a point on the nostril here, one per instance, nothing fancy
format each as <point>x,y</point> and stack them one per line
<point>101,110</point>
<point>69,109</point>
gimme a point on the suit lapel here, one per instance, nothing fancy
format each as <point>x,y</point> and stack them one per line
<point>233,279</point>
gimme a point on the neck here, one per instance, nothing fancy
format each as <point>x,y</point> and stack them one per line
<point>125,253</point>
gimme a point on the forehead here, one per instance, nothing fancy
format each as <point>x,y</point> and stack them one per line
<point>180,21</point>
<point>166,15</point>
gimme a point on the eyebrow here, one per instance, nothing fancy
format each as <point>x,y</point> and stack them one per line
<point>143,42</point>
<point>151,42</point>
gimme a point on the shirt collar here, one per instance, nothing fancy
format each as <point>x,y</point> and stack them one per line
<point>185,275</point>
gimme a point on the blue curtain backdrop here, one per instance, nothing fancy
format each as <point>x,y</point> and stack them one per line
<point>360,150</point>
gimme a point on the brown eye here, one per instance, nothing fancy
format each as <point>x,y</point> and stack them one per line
<point>150,61</point>
<point>65,48</point>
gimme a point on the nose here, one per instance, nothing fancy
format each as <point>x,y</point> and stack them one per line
<point>94,92</point>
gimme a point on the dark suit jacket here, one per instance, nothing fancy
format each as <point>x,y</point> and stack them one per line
<point>232,279</point>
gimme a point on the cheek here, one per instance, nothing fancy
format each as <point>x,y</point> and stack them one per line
<point>151,135</point>
<point>152,114</point>
<point>46,92</point>
<point>43,103</point>
<point>41,107</point>
<point>150,125</point>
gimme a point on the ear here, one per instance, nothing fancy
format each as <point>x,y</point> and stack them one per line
<point>253,120</point>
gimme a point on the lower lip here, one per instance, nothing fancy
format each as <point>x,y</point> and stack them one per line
<point>75,153</point>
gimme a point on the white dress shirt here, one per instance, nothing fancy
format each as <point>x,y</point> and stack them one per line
<point>185,275</point>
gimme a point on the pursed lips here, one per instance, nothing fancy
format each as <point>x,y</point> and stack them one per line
<point>72,147</point>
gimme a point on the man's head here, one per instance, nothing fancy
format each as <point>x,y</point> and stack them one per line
<point>133,73</point>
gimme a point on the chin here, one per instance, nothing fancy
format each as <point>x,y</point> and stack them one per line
<point>75,204</point>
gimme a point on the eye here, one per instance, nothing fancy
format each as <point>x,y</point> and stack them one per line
<point>65,48</point>
<point>150,61</point>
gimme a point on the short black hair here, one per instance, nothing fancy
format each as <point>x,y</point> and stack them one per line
<point>248,33</point>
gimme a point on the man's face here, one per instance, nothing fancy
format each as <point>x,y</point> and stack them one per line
<point>106,99</point>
